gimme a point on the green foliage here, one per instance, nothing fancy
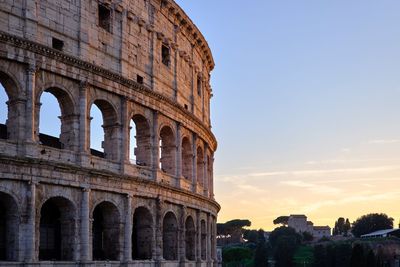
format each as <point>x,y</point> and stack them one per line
<point>357,256</point>
<point>284,231</point>
<point>284,241</point>
<point>251,235</point>
<point>304,256</point>
<point>281,220</point>
<point>370,223</point>
<point>234,228</point>
<point>342,227</point>
<point>236,255</point>
<point>332,255</point>
<point>307,237</point>
<point>261,253</point>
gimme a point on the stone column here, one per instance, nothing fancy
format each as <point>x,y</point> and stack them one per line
<point>30,110</point>
<point>198,237</point>
<point>194,80</point>
<point>194,163</point>
<point>181,236</point>
<point>31,225</point>
<point>155,147</point>
<point>85,226</point>
<point>178,155</point>
<point>158,232</point>
<point>208,244</point>
<point>205,174</point>
<point>128,230</point>
<point>84,121</point>
<point>124,133</point>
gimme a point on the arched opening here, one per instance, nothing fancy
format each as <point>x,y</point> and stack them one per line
<point>142,234</point>
<point>140,141</point>
<point>9,228</point>
<point>190,239</point>
<point>104,130</point>
<point>213,239</point>
<point>167,150</point>
<point>203,240</point>
<point>58,126</point>
<point>57,230</point>
<point>3,112</point>
<point>170,237</point>
<point>10,108</point>
<point>200,166</point>
<point>187,159</point>
<point>105,232</point>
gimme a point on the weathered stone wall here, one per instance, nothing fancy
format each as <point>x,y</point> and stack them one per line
<point>139,60</point>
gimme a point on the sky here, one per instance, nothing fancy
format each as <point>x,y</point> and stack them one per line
<point>305,107</point>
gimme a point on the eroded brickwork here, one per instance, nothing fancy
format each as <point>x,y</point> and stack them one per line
<point>145,65</point>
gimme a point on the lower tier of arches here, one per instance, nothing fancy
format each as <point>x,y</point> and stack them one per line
<point>53,224</point>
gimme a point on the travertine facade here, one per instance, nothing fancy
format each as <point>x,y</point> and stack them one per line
<point>65,204</point>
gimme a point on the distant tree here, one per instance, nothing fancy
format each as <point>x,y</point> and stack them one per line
<point>339,226</point>
<point>284,242</point>
<point>357,256</point>
<point>251,235</point>
<point>236,254</point>
<point>234,228</point>
<point>282,220</point>
<point>283,231</point>
<point>307,237</point>
<point>371,260</point>
<point>320,257</point>
<point>346,227</point>
<point>370,223</point>
<point>261,252</point>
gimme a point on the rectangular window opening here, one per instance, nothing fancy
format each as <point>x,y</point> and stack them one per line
<point>57,44</point>
<point>199,85</point>
<point>105,17</point>
<point>165,54</point>
<point>139,79</point>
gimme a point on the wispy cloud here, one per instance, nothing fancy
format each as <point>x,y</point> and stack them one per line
<point>383,141</point>
<point>316,188</point>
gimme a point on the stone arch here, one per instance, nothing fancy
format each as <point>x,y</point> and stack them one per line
<point>142,132</point>
<point>167,150</point>
<point>142,234</point>
<point>200,166</point>
<point>14,106</point>
<point>69,121</point>
<point>9,227</point>
<point>106,232</point>
<point>203,240</point>
<point>111,128</point>
<point>170,236</point>
<point>190,239</point>
<point>187,158</point>
<point>57,230</point>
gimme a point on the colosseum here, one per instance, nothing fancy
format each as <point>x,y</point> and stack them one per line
<point>146,67</point>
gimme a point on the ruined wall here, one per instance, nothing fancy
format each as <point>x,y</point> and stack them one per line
<point>138,61</point>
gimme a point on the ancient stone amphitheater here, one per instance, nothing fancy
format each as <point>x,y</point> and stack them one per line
<point>146,67</point>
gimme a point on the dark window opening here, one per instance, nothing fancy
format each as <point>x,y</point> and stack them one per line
<point>3,232</point>
<point>50,233</point>
<point>199,85</point>
<point>165,54</point>
<point>139,79</point>
<point>105,18</point>
<point>3,131</point>
<point>186,106</point>
<point>57,44</point>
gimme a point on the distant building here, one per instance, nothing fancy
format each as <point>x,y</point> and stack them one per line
<point>383,233</point>
<point>300,224</point>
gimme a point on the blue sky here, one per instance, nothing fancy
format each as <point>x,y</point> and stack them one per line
<point>305,107</point>
<point>304,85</point>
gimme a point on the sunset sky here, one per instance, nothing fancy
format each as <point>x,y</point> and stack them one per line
<point>306,107</point>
